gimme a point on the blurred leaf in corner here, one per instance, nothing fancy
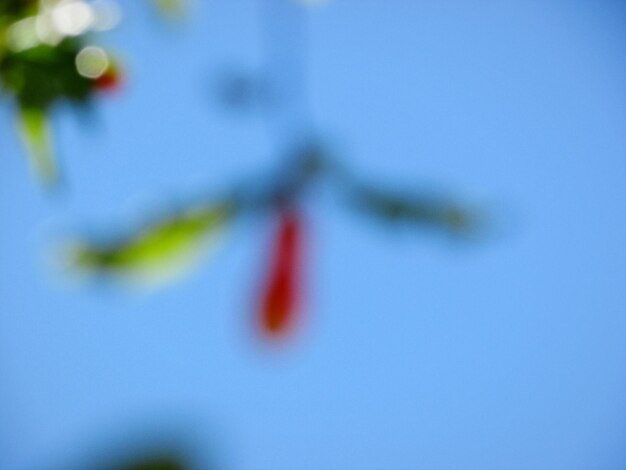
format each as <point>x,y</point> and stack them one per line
<point>158,251</point>
<point>157,463</point>
<point>45,60</point>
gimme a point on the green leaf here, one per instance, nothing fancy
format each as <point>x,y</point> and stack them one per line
<point>162,463</point>
<point>16,7</point>
<point>407,208</point>
<point>35,131</point>
<point>170,8</point>
<point>158,251</point>
<point>43,75</point>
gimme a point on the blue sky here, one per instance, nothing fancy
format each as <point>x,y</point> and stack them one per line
<point>416,352</point>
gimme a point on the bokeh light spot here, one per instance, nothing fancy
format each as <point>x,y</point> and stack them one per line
<point>92,62</point>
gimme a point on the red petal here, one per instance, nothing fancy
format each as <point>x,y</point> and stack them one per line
<point>281,296</point>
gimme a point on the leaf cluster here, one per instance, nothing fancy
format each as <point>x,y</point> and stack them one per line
<point>42,75</point>
<point>161,242</point>
<point>16,8</point>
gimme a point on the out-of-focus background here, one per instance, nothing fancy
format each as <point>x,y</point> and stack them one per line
<point>414,352</point>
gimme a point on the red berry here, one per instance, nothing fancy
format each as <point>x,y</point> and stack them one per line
<point>280,300</point>
<point>108,81</point>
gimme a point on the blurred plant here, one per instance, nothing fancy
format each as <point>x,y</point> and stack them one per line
<point>170,8</point>
<point>45,60</point>
<point>165,462</point>
<point>159,250</point>
<point>174,241</point>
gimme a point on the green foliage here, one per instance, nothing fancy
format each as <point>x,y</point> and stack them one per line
<point>167,244</point>
<point>35,131</point>
<point>39,68</point>
<point>170,8</point>
<point>391,207</point>
<point>16,8</point>
<point>162,463</point>
<point>42,75</point>
<point>173,242</point>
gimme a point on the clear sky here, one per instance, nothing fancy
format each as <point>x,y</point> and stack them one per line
<point>416,353</point>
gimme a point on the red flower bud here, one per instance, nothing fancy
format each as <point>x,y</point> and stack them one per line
<point>109,80</point>
<point>281,295</point>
